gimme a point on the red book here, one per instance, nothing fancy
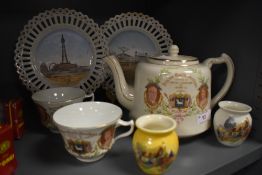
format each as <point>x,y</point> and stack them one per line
<point>8,161</point>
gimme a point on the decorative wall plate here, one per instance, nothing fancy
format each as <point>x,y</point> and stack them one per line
<point>131,37</point>
<point>60,47</point>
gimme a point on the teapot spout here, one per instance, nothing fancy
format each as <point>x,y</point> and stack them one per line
<point>124,92</point>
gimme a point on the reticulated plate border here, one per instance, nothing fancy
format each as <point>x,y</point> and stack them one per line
<point>43,23</point>
<point>137,22</point>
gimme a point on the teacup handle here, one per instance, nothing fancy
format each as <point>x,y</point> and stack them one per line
<point>124,123</point>
<point>87,96</point>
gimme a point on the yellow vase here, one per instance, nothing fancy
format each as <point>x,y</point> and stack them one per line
<point>155,143</point>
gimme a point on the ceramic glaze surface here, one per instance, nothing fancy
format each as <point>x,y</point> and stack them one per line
<point>60,47</point>
<point>155,143</point>
<point>88,128</point>
<point>232,123</point>
<point>132,36</point>
<point>57,95</point>
<point>176,85</point>
<point>87,114</point>
<point>50,100</point>
<point>184,93</point>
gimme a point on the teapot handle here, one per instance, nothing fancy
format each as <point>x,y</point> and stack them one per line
<point>224,58</point>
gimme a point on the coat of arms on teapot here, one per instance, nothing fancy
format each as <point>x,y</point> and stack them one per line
<point>175,85</point>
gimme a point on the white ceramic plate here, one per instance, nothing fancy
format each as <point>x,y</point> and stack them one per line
<point>60,47</point>
<point>131,37</point>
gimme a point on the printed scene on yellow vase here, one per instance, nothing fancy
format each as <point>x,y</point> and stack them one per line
<point>233,132</point>
<point>156,160</point>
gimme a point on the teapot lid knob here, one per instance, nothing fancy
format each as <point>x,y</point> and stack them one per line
<point>173,58</point>
<point>173,50</point>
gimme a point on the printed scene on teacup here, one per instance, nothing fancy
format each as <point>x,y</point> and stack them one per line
<point>89,143</point>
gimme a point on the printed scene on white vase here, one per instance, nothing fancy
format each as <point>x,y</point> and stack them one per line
<point>232,131</point>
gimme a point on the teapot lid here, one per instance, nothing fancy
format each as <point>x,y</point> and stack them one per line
<point>174,59</point>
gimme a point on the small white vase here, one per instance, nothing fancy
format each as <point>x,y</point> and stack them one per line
<point>232,123</point>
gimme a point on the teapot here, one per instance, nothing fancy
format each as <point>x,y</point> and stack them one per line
<point>174,85</point>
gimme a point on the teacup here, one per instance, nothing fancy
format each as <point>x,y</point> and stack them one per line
<point>49,100</point>
<point>88,128</point>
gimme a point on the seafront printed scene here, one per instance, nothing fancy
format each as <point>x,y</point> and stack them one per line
<point>130,47</point>
<point>64,57</point>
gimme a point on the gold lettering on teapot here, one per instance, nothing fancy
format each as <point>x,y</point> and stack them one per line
<point>180,80</point>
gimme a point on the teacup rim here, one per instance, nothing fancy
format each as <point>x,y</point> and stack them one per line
<point>58,102</point>
<point>92,127</point>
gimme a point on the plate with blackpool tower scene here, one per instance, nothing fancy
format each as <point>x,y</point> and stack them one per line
<point>60,47</point>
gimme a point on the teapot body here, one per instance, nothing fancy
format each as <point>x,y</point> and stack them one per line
<point>177,86</point>
<point>181,92</point>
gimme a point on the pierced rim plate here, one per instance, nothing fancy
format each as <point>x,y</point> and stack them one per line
<point>60,47</point>
<point>132,36</point>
